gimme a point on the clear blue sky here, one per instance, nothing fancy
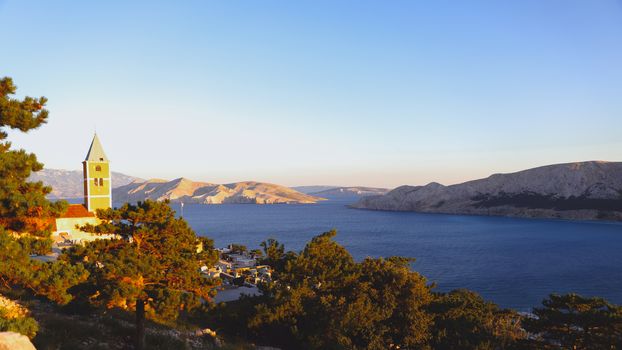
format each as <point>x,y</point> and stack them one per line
<point>376,93</point>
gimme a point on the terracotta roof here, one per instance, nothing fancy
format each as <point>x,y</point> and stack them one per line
<point>77,211</point>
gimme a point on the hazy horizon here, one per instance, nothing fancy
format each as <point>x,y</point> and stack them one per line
<point>320,93</point>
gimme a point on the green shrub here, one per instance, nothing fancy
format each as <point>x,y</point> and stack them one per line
<point>23,325</point>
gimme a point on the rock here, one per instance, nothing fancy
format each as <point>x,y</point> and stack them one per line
<point>188,191</point>
<point>15,341</point>
<point>338,193</point>
<point>70,183</point>
<point>586,190</point>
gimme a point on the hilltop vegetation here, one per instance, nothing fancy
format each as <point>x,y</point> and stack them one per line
<point>322,299</point>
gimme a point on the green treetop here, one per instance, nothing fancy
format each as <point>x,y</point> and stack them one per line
<point>25,213</point>
<point>152,268</point>
<point>24,207</point>
<point>464,320</point>
<point>323,299</point>
<point>576,322</point>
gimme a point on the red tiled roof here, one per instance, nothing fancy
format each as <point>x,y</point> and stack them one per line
<point>77,211</point>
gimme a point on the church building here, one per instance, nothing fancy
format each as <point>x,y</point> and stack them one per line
<point>97,195</point>
<point>97,184</point>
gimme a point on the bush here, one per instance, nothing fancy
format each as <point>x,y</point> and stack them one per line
<point>23,325</point>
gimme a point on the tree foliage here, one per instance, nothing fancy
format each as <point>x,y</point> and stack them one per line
<point>153,265</point>
<point>274,255</point>
<point>49,279</point>
<point>464,320</point>
<point>25,213</point>
<point>323,299</point>
<point>238,248</point>
<point>24,325</point>
<point>23,206</point>
<point>576,322</point>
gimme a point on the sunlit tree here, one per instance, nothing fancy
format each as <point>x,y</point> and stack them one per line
<point>24,208</point>
<point>153,267</point>
<point>323,299</point>
<point>25,213</point>
<point>577,322</point>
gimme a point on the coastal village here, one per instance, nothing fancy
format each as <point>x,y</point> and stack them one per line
<point>238,269</point>
<point>311,175</point>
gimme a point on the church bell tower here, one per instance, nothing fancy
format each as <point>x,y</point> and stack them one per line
<point>97,182</point>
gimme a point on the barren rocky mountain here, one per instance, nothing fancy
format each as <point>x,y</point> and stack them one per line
<point>69,183</point>
<point>187,191</point>
<point>312,189</point>
<point>349,192</point>
<point>584,190</point>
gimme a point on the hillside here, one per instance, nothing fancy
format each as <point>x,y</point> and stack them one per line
<point>312,189</point>
<point>584,190</point>
<point>349,192</point>
<point>69,183</point>
<point>187,191</point>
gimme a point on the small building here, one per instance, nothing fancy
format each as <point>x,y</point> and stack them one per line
<point>97,195</point>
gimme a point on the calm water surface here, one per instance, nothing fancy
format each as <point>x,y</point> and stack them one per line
<point>513,262</point>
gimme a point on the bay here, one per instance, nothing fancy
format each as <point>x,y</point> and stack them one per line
<point>512,262</point>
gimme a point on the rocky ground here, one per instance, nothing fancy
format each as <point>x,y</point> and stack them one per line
<point>72,328</point>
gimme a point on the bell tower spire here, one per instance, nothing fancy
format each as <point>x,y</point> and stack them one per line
<point>97,181</point>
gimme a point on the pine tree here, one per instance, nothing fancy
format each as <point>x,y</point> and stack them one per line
<point>153,267</point>
<point>25,213</point>
<point>576,322</point>
<point>23,206</point>
<point>323,299</point>
<point>464,320</point>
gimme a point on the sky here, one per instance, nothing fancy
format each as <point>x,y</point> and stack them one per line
<point>375,93</point>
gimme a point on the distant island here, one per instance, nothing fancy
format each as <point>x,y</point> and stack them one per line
<point>67,184</point>
<point>344,193</point>
<point>583,190</point>
<point>188,191</point>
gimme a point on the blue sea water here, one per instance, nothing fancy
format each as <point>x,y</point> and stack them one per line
<point>513,262</point>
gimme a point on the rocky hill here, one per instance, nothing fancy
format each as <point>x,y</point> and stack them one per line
<point>585,190</point>
<point>187,191</point>
<point>69,183</point>
<point>312,189</point>
<point>349,192</point>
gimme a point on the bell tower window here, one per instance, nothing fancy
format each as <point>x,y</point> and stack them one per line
<point>98,168</point>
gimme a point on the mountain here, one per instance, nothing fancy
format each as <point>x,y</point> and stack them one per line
<point>337,193</point>
<point>187,191</point>
<point>69,183</point>
<point>341,193</point>
<point>312,189</point>
<point>584,190</point>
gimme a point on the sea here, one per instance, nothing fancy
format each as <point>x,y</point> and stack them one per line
<point>513,262</point>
